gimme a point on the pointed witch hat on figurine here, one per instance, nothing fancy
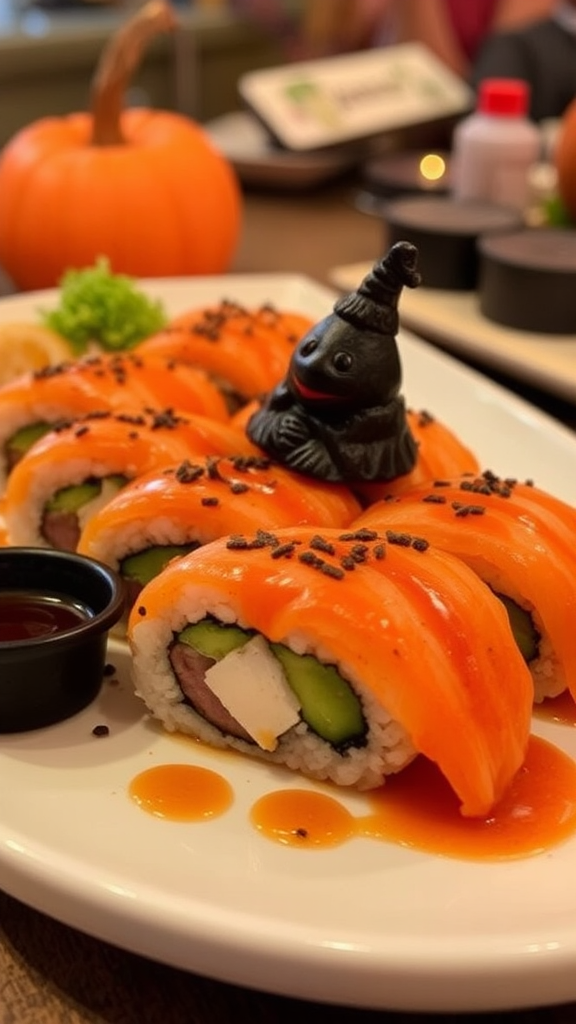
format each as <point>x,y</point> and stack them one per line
<point>374,304</point>
<point>338,414</point>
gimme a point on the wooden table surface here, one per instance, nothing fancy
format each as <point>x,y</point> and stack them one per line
<point>52,974</point>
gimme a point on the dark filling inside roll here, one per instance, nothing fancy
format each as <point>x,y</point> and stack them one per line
<point>302,689</point>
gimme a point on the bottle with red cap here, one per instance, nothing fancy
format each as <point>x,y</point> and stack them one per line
<point>494,148</point>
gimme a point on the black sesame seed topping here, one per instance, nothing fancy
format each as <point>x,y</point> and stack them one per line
<point>187,472</point>
<point>51,371</point>
<point>165,420</point>
<point>285,550</point>
<point>104,414</point>
<point>359,552</point>
<point>420,544</point>
<point>136,420</point>
<point>309,558</point>
<point>61,425</point>
<point>332,570</point>
<point>266,539</point>
<point>404,540</point>
<point>468,510</point>
<point>361,535</point>
<point>238,542</point>
<point>435,499</point>
<point>242,463</point>
<point>425,418</point>
<point>315,562</point>
<point>320,544</point>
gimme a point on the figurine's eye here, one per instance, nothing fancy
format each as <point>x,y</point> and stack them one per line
<point>308,347</point>
<point>342,362</point>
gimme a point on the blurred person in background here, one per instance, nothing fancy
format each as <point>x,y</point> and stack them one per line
<point>543,54</point>
<point>453,29</point>
<point>313,29</point>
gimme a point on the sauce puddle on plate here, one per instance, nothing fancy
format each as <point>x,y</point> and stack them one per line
<point>181,792</point>
<point>561,709</point>
<point>416,808</point>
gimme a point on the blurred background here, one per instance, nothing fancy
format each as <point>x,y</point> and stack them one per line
<point>49,48</point>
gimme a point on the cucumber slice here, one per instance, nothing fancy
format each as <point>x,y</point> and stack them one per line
<point>525,633</point>
<point>214,639</point>
<point>24,438</point>
<point>145,565</point>
<point>73,498</point>
<point>328,704</point>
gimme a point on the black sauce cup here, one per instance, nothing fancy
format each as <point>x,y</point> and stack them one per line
<point>50,678</point>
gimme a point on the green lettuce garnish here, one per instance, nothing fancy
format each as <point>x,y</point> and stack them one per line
<point>98,306</point>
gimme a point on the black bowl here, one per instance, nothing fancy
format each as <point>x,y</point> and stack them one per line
<point>445,231</point>
<point>48,677</point>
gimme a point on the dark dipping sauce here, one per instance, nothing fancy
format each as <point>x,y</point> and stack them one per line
<point>29,615</point>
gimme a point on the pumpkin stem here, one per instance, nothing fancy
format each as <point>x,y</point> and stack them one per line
<point>118,62</point>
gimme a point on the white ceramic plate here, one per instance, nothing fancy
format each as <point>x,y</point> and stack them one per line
<point>454,320</point>
<point>366,923</point>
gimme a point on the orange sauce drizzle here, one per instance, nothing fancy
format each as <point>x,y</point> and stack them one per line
<point>561,709</point>
<point>297,817</point>
<point>418,809</point>
<point>181,792</point>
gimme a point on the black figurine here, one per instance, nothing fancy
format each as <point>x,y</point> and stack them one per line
<point>338,414</point>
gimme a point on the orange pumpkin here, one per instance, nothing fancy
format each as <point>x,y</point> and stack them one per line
<point>145,188</point>
<point>565,159</point>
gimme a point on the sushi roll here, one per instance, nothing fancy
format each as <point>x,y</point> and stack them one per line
<point>245,351</point>
<point>336,656</point>
<point>440,454</point>
<point>76,468</point>
<point>166,513</point>
<point>148,381</point>
<point>37,401</point>
<point>521,541</point>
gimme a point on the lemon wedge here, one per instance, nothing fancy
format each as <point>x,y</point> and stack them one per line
<point>26,347</point>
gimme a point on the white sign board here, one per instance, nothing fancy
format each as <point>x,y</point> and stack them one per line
<point>313,104</point>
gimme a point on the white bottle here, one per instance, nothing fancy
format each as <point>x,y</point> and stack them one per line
<point>494,148</point>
